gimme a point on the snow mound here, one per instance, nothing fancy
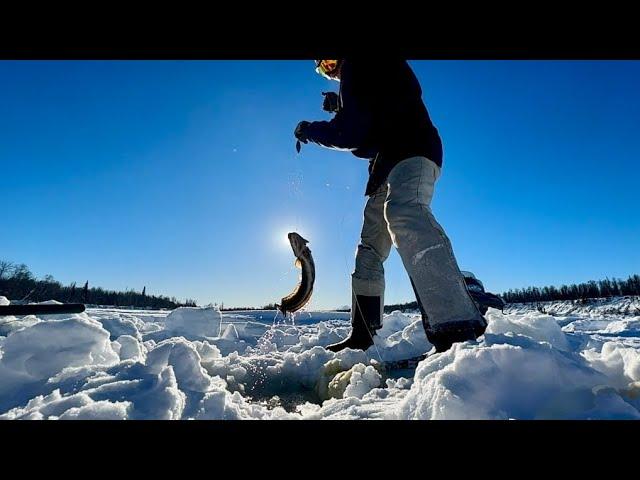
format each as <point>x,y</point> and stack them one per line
<point>627,327</point>
<point>185,360</point>
<point>355,382</point>
<point>129,348</point>
<point>231,333</point>
<point>74,407</point>
<point>194,322</point>
<point>152,391</point>
<point>40,351</point>
<point>207,351</point>
<point>102,410</point>
<point>250,330</point>
<point>619,363</point>
<point>118,326</point>
<point>4,301</point>
<point>509,377</point>
<point>401,337</point>
<point>11,324</point>
<point>540,327</point>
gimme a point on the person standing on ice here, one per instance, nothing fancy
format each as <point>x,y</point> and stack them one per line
<point>380,116</point>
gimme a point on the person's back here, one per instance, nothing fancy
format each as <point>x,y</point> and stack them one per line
<point>402,127</point>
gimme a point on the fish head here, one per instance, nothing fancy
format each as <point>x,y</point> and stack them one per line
<point>298,244</point>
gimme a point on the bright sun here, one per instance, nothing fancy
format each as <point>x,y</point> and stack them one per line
<point>283,239</point>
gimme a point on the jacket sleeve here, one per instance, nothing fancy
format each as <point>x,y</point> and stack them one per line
<point>346,131</point>
<point>352,124</point>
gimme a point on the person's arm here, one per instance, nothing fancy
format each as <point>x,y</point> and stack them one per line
<point>346,131</point>
<point>352,124</point>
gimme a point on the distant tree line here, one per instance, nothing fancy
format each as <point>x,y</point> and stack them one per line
<point>401,306</point>
<point>606,288</point>
<point>593,289</point>
<point>268,306</point>
<point>18,283</point>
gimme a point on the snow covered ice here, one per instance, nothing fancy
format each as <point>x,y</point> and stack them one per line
<point>194,321</point>
<point>572,362</point>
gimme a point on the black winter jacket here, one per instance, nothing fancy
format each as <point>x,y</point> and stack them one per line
<point>381,117</point>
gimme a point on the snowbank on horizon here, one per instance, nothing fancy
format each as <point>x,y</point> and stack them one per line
<point>628,305</point>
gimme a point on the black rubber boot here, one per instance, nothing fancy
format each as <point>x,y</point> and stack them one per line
<point>446,335</point>
<point>366,319</point>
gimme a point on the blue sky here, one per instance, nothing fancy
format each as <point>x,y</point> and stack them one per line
<point>182,176</point>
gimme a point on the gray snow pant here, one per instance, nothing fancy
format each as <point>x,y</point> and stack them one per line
<point>399,213</point>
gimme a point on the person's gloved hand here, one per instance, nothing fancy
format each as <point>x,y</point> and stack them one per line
<point>300,131</point>
<point>330,103</point>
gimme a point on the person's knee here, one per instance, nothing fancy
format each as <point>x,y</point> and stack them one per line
<point>402,219</point>
<point>411,225</point>
<point>396,209</point>
<point>368,263</point>
<point>368,283</point>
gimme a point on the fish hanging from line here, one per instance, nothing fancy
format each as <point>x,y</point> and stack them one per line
<point>304,261</point>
